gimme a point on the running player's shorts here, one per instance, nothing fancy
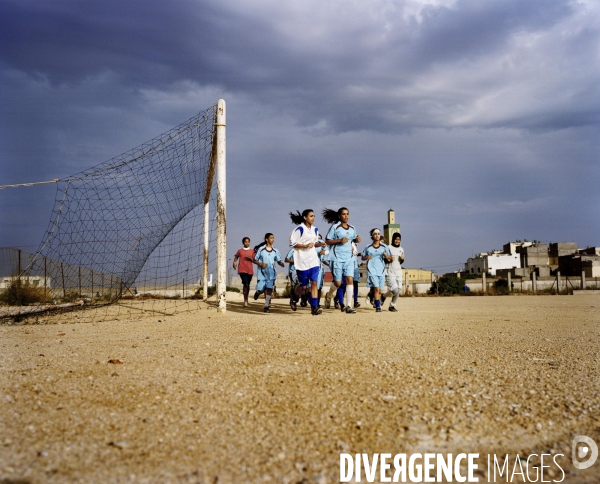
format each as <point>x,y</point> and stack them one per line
<point>293,278</point>
<point>246,278</point>
<point>304,277</point>
<point>265,284</point>
<point>342,269</point>
<point>376,281</point>
<point>356,273</point>
<point>394,282</point>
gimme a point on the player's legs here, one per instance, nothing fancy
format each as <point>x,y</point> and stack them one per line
<point>320,284</point>
<point>378,284</point>
<point>246,281</point>
<point>394,286</point>
<point>355,281</point>
<point>260,288</point>
<point>268,284</point>
<point>312,276</point>
<point>348,273</point>
<point>337,282</point>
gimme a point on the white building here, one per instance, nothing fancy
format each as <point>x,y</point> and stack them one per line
<point>491,262</point>
<point>37,281</point>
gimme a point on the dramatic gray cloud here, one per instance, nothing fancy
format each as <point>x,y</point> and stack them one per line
<point>477,121</point>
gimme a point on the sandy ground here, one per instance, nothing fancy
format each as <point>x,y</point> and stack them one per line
<point>249,397</point>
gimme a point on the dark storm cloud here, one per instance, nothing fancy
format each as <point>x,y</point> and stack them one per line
<point>350,73</point>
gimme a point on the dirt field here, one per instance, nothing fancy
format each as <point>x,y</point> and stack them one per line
<point>253,397</point>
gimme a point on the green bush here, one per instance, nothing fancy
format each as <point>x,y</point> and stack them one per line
<point>501,286</point>
<point>448,285</point>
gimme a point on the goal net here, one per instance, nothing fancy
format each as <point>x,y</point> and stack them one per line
<point>138,234</point>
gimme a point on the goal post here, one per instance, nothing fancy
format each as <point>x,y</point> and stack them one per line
<point>221,208</point>
<point>218,164</point>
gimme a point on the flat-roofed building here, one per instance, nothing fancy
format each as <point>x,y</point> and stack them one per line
<point>492,262</point>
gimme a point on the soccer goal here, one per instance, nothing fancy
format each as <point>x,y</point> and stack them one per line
<point>144,232</point>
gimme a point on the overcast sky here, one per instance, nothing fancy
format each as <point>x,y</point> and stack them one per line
<point>476,121</point>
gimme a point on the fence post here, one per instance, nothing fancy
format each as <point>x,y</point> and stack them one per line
<point>557,283</point>
<point>533,282</point>
<point>509,282</point>
<point>484,282</point>
<point>62,273</point>
<point>582,279</point>
<point>45,279</point>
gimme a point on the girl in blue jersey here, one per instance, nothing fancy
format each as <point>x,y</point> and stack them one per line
<point>339,239</point>
<point>376,256</point>
<point>355,279</point>
<point>265,258</point>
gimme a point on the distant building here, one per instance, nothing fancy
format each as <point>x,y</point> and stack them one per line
<point>575,264</point>
<point>521,258</point>
<point>36,281</point>
<point>536,255</point>
<point>492,262</point>
<point>590,251</point>
<point>560,249</point>
<point>515,247</point>
<point>417,275</point>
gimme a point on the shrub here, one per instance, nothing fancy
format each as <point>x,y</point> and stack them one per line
<point>448,285</point>
<point>501,286</point>
<point>21,294</point>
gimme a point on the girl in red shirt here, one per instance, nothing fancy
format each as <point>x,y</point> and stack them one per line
<point>245,268</point>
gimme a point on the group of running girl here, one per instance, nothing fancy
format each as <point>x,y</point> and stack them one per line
<point>309,257</point>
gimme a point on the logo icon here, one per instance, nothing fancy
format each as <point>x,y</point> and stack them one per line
<point>585,452</point>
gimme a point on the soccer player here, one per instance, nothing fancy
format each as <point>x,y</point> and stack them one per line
<point>304,239</point>
<point>339,239</point>
<point>376,255</point>
<point>245,255</point>
<point>394,270</point>
<point>266,257</point>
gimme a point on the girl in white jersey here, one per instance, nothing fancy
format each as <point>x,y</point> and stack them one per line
<point>303,240</point>
<point>394,271</point>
